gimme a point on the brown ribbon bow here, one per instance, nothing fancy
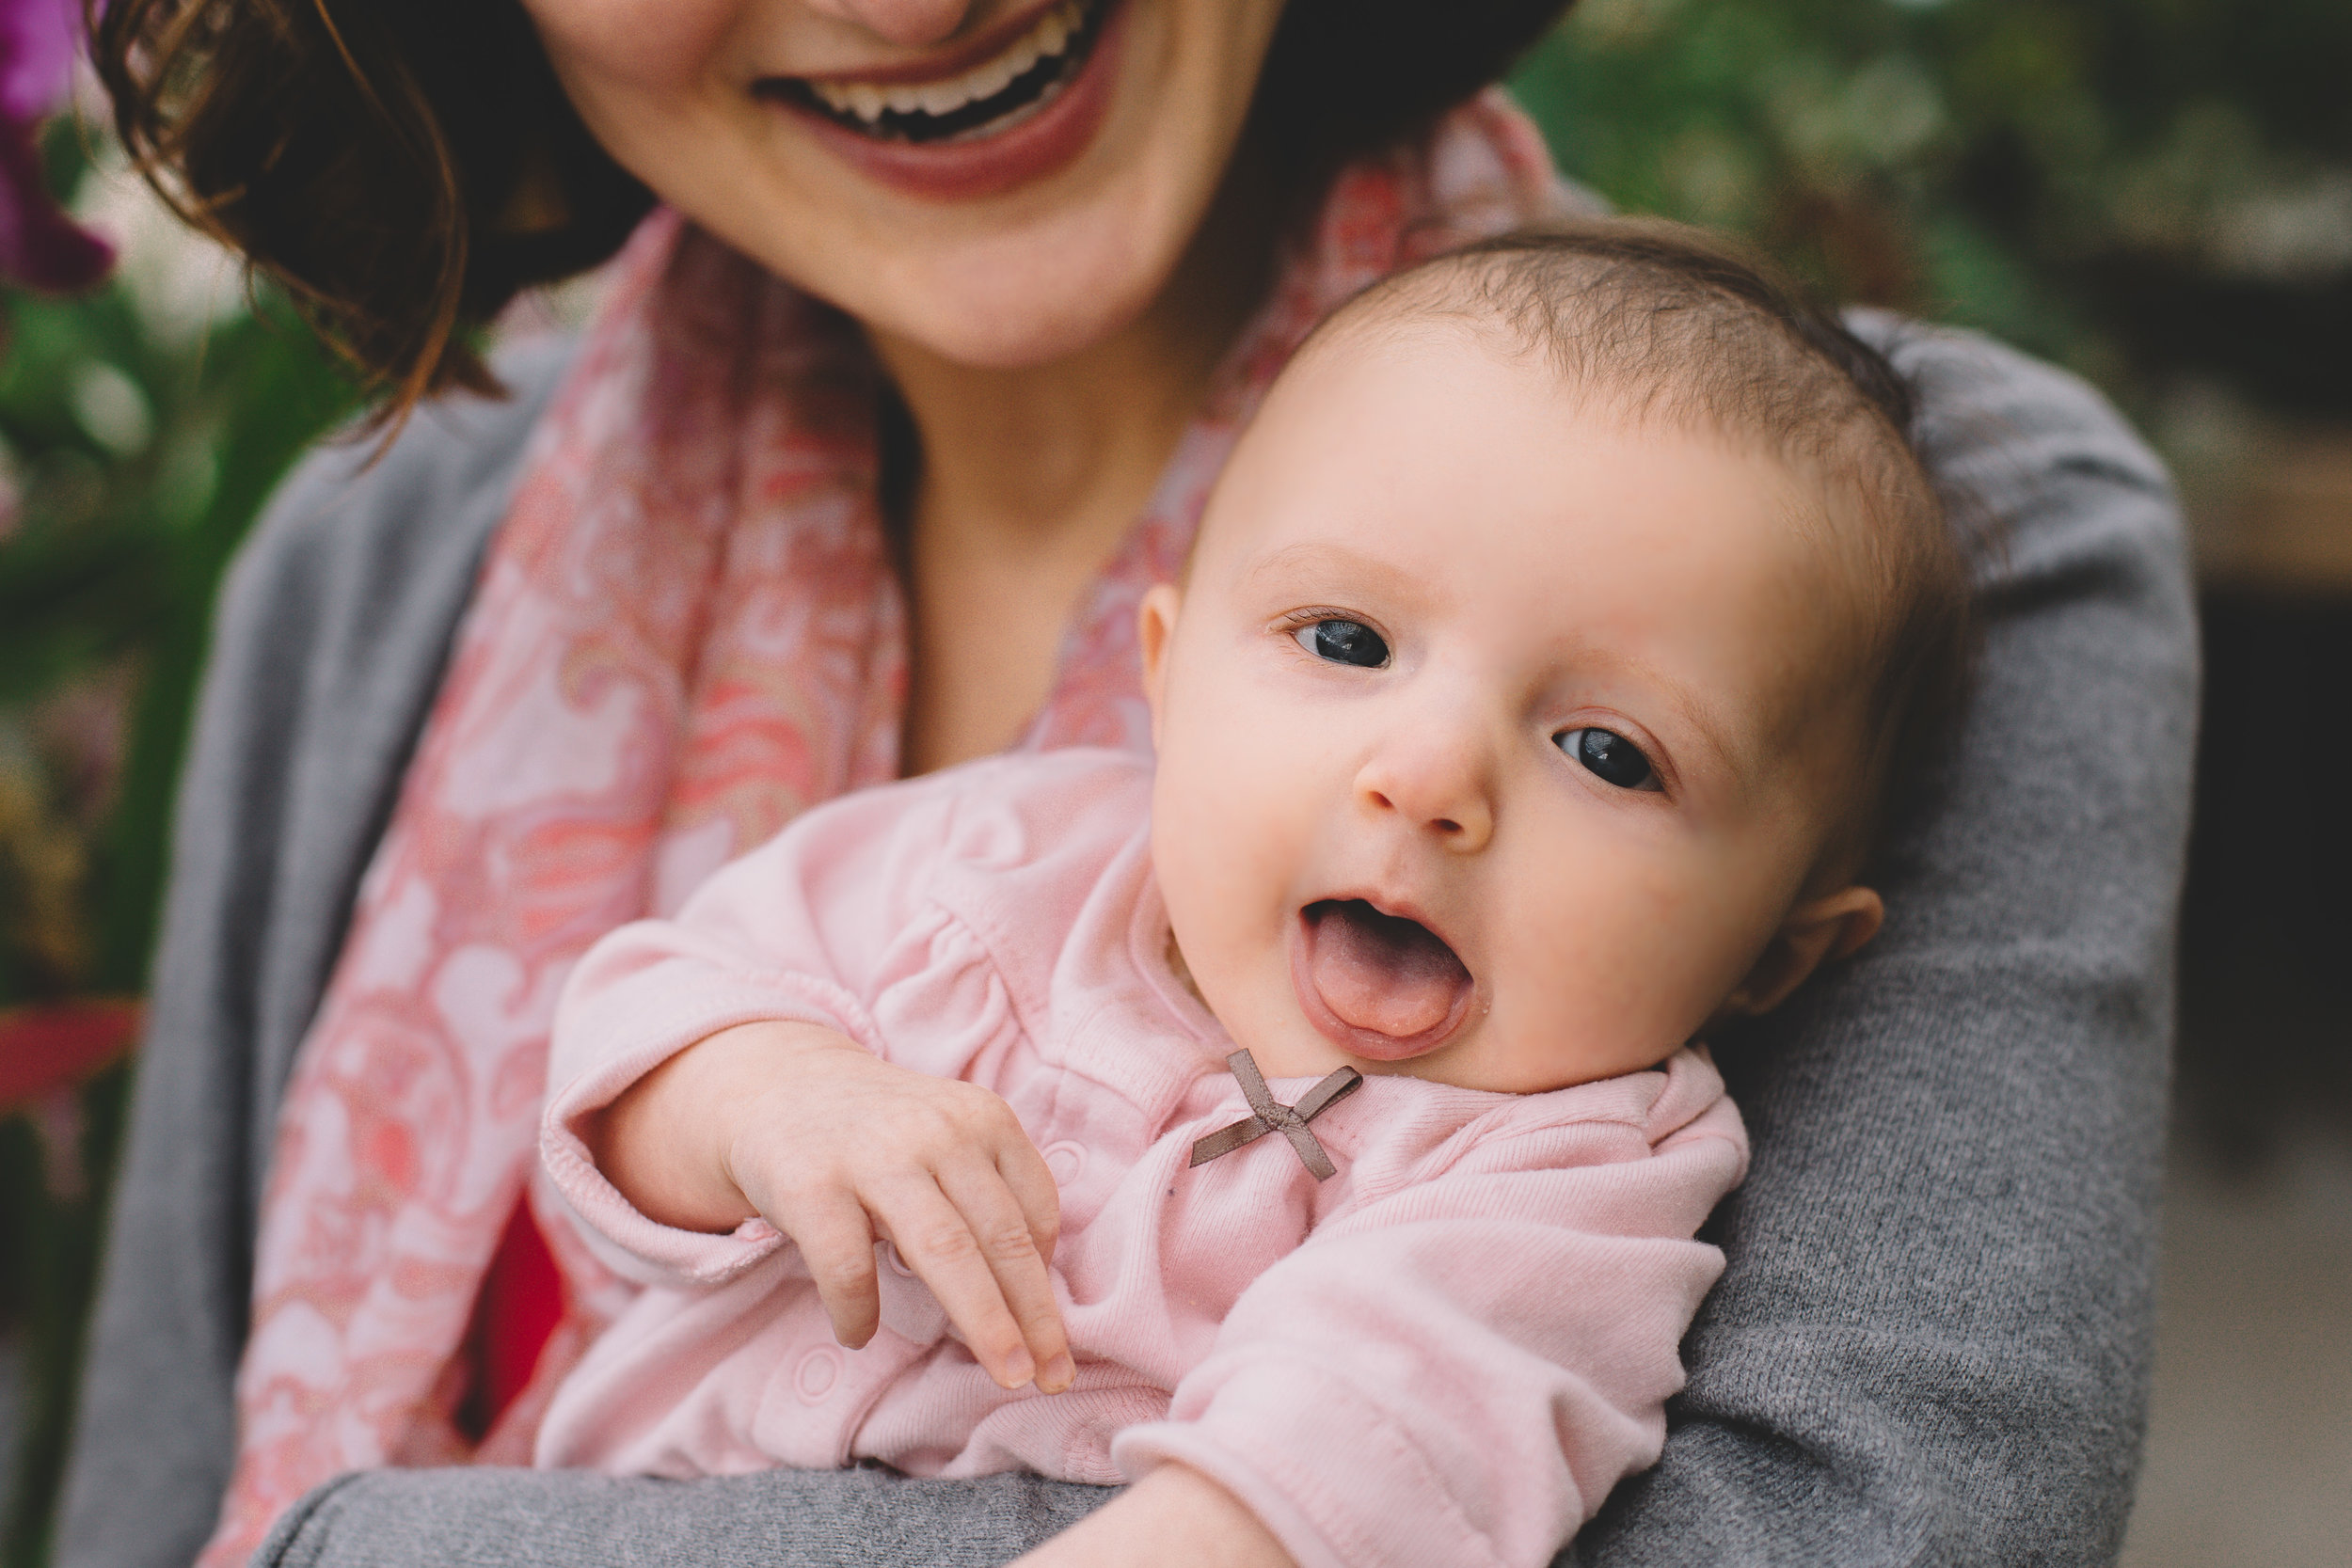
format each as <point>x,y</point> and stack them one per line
<point>1291,1120</point>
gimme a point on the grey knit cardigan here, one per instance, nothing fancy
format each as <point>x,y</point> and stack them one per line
<point>1932,1343</point>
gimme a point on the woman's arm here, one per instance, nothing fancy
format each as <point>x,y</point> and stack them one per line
<point>1932,1343</point>
<point>778,1519</point>
<point>773,1519</point>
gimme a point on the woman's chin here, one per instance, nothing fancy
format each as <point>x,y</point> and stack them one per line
<point>1038,304</point>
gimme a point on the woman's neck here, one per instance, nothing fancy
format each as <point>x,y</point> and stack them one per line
<point>1027,481</point>
<point>1024,458</point>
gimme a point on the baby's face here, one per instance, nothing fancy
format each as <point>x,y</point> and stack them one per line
<point>1498,738</point>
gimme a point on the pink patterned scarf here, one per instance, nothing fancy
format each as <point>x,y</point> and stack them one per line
<point>687,631</point>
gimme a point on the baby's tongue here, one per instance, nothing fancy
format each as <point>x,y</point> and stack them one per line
<point>1380,972</point>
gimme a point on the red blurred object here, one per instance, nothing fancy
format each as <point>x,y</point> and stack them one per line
<point>54,1047</point>
<point>47,1049</point>
<point>521,1303</point>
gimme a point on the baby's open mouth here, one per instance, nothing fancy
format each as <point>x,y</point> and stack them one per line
<point>983,101</point>
<point>1380,985</point>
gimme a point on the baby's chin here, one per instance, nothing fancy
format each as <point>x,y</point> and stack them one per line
<point>1291,1047</point>
<point>1467,1073</point>
<point>1493,1058</point>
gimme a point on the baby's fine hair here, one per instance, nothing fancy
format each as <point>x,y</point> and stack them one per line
<point>1654,321</point>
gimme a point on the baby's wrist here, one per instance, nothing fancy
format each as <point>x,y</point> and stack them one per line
<point>668,1141</point>
<point>1174,1514</point>
<point>747,1063</point>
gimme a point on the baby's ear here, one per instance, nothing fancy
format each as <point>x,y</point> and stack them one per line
<point>1816,933</point>
<point>1155,626</point>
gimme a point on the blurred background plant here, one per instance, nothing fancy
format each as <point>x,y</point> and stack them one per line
<point>2156,193</point>
<point>147,406</point>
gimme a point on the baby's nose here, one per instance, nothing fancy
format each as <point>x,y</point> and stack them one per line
<point>1436,784</point>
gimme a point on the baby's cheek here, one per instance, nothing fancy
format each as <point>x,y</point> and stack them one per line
<point>1235,804</point>
<point>1206,863</point>
<point>1619,963</point>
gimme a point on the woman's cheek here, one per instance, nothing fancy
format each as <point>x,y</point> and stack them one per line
<point>640,44</point>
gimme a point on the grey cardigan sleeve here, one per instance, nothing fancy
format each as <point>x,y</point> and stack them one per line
<point>1932,1342</point>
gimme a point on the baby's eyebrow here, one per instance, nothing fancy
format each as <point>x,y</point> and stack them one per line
<point>1362,571</point>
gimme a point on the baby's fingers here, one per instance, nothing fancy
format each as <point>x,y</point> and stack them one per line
<point>1023,1171</point>
<point>1016,1233</point>
<point>939,1243</point>
<point>836,1241</point>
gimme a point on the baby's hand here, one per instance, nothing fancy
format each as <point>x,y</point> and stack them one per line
<point>834,1147</point>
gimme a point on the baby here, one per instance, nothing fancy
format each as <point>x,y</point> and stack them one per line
<point>1320,1112</point>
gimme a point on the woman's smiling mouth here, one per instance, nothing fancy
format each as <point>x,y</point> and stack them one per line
<point>1010,108</point>
<point>1014,81</point>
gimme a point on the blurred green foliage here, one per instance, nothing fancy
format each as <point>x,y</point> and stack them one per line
<point>138,452</point>
<point>138,456</point>
<point>2152,191</point>
<point>2144,189</point>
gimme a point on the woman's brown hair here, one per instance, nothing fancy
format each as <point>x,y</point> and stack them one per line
<point>404,167</point>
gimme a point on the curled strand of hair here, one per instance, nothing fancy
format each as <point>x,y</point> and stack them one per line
<point>212,103</point>
<point>359,77</point>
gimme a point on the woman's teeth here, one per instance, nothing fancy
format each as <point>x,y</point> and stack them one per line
<point>1055,34</point>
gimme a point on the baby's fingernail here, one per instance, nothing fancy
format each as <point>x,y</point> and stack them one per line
<point>1060,1373</point>
<point>1020,1367</point>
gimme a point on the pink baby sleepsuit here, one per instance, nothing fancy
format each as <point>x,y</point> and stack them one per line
<point>1448,1353</point>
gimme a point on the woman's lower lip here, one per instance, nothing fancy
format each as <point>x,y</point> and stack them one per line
<point>1366,1043</point>
<point>1046,143</point>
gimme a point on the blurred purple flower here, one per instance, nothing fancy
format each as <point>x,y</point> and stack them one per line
<point>39,246</point>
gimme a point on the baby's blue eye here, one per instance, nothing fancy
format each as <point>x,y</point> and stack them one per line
<point>1343,643</point>
<point>1610,757</point>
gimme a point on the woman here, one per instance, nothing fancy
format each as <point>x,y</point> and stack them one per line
<point>743,553</point>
